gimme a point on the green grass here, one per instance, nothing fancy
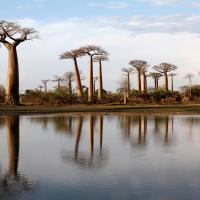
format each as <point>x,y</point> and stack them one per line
<point>186,109</point>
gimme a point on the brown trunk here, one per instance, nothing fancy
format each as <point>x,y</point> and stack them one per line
<point>45,86</point>
<point>166,129</point>
<point>90,88</point>
<point>100,90</point>
<point>128,86</point>
<point>94,88</point>
<point>100,131</point>
<point>157,80</point>
<point>78,79</point>
<point>70,85</point>
<point>12,130</point>
<point>139,81</point>
<point>12,84</point>
<point>78,134</point>
<point>172,85</point>
<point>155,83</point>
<point>165,82</point>
<point>144,84</point>
<point>139,130</point>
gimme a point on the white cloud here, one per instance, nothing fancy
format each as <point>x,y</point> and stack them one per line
<point>110,5</point>
<point>162,2</point>
<point>39,59</point>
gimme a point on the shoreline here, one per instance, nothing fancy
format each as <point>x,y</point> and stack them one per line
<point>137,109</point>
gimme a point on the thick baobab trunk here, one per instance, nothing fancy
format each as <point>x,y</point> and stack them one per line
<point>155,83</point>
<point>144,91</point>
<point>165,83</point>
<point>139,81</point>
<point>12,83</point>
<point>172,85</point>
<point>100,90</point>
<point>128,85</point>
<point>78,79</point>
<point>70,85</point>
<point>94,88</point>
<point>90,89</point>
<point>12,131</point>
<point>45,88</point>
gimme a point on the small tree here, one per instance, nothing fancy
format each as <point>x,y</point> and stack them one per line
<point>165,68</point>
<point>100,59</point>
<point>91,51</point>
<point>172,75</point>
<point>45,84</point>
<point>127,72</point>
<point>138,65</point>
<point>11,35</point>
<point>74,54</point>
<point>189,76</point>
<point>156,77</point>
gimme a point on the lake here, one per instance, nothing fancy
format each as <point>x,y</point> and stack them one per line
<point>100,156</point>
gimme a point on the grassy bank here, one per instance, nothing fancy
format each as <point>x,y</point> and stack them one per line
<point>184,109</point>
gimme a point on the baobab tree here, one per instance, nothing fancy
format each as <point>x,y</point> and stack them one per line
<point>74,54</point>
<point>40,87</point>
<point>11,35</point>
<point>59,80</point>
<point>91,51</point>
<point>45,84</point>
<point>138,64</point>
<point>127,72</point>
<point>155,76</point>
<point>189,76</point>
<point>172,75</point>
<point>94,84</point>
<point>69,77</point>
<point>165,68</point>
<point>100,59</point>
<point>144,74</point>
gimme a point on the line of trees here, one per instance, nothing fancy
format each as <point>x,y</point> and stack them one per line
<point>12,34</point>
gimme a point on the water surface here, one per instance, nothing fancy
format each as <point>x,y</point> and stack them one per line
<point>102,156</point>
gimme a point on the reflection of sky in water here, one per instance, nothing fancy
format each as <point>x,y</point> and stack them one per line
<point>142,157</point>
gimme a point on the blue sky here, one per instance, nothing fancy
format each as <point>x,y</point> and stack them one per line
<point>49,10</point>
<point>152,30</point>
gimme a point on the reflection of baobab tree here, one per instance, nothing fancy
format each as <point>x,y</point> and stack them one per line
<point>62,124</point>
<point>132,124</point>
<point>161,127</point>
<point>13,183</point>
<point>93,159</point>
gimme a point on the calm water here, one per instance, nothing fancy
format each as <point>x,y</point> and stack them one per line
<point>120,156</point>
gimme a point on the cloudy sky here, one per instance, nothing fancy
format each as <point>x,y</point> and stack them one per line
<point>152,30</point>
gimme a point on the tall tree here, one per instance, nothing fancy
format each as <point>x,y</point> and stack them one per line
<point>91,51</point>
<point>45,85</point>
<point>11,35</point>
<point>144,74</point>
<point>189,76</point>
<point>127,72</point>
<point>69,77</point>
<point>155,76</point>
<point>59,80</point>
<point>74,54</point>
<point>100,59</point>
<point>94,84</point>
<point>138,64</point>
<point>172,75</point>
<point>165,68</point>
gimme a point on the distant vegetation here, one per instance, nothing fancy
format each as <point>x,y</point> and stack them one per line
<point>64,92</point>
